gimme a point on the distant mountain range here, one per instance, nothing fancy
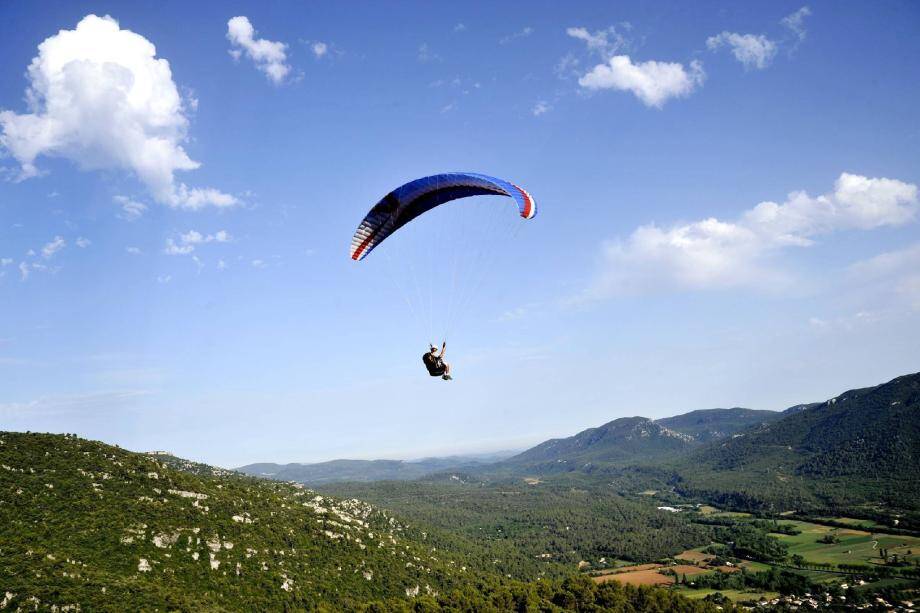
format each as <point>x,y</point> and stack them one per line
<point>635,439</point>
<point>370,470</point>
<point>624,440</point>
<point>859,448</point>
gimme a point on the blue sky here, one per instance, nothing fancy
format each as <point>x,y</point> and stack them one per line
<point>728,217</point>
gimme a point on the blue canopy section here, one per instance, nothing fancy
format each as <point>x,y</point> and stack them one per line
<point>415,198</point>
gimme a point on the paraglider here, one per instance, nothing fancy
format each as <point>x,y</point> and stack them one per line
<point>408,201</point>
<point>435,363</point>
<point>411,200</point>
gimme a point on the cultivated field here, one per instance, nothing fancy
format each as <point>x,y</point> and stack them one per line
<point>854,546</point>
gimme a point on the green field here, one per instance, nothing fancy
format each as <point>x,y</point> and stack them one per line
<point>733,595</point>
<point>854,546</point>
<point>861,524</point>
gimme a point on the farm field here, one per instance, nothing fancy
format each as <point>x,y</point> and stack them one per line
<point>648,576</point>
<point>661,574</point>
<point>862,524</point>
<point>854,546</point>
<point>733,595</point>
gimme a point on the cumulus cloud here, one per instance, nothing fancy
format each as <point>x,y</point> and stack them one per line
<point>100,97</point>
<point>752,50</point>
<point>185,244</point>
<point>83,243</point>
<point>6,261</point>
<point>269,56</point>
<point>714,253</point>
<point>652,82</point>
<point>795,23</point>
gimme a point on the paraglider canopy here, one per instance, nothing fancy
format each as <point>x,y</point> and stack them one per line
<point>408,201</point>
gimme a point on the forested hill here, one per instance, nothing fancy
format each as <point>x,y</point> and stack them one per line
<point>621,440</point>
<point>366,470</point>
<point>631,440</point>
<point>85,523</point>
<point>713,424</point>
<point>866,440</point>
<point>86,526</point>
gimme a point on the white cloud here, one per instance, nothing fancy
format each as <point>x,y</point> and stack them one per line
<point>541,107</point>
<point>795,23</point>
<point>100,97</point>
<point>894,276</point>
<point>53,247</point>
<point>221,265</point>
<point>23,271</point>
<point>175,249</point>
<point>130,209</point>
<point>522,33</point>
<point>714,253</point>
<point>459,28</point>
<point>133,250</point>
<point>269,56</point>
<point>6,261</point>
<point>604,43</point>
<point>83,243</point>
<point>752,50</point>
<point>258,264</point>
<point>164,278</point>
<point>319,49</point>
<point>187,242</point>
<point>652,82</point>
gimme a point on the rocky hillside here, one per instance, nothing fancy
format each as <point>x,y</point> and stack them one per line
<point>89,527</point>
<point>89,524</point>
<point>714,424</point>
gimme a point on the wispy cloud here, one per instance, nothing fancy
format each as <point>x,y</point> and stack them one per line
<point>522,33</point>
<point>541,107</point>
<point>185,244</point>
<point>57,405</point>
<point>711,253</point>
<point>795,23</point>
<point>130,209</point>
<point>754,51</point>
<point>425,54</point>
<point>53,247</point>
<point>603,43</point>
